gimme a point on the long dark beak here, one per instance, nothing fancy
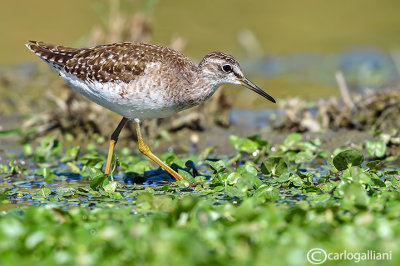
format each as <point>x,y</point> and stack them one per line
<point>248,84</point>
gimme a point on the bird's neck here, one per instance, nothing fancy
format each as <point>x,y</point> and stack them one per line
<point>199,88</point>
<point>206,84</point>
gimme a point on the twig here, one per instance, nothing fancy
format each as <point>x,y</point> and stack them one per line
<point>344,90</point>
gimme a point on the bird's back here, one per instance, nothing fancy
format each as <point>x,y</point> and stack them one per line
<point>109,63</point>
<point>135,80</point>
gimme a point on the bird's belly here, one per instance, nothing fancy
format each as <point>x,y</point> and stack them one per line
<point>133,100</point>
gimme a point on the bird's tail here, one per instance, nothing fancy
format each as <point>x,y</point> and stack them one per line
<point>53,54</point>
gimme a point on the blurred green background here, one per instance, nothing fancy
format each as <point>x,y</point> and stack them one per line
<point>280,26</point>
<point>288,47</point>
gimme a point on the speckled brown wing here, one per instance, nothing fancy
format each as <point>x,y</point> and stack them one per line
<point>114,62</point>
<point>108,63</point>
<point>55,54</point>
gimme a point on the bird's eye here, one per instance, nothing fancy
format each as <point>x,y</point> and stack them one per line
<point>227,68</point>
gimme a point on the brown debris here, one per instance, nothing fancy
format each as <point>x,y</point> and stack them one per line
<point>378,109</point>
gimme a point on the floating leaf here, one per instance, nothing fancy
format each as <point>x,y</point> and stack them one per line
<point>275,166</point>
<point>186,175</point>
<point>71,153</point>
<point>44,192</point>
<point>92,159</point>
<point>378,182</point>
<point>49,147</point>
<point>247,169</point>
<point>292,139</point>
<point>283,178</point>
<point>266,193</point>
<point>217,166</point>
<point>354,196</point>
<point>27,149</point>
<point>73,167</point>
<point>48,174</point>
<point>376,148</point>
<point>111,187</point>
<point>374,164</point>
<point>304,156</point>
<point>347,158</point>
<point>243,144</point>
<point>99,179</point>
<point>260,142</point>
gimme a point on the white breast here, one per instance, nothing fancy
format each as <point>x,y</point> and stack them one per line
<point>142,98</point>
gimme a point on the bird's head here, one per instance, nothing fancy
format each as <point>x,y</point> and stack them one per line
<point>221,68</point>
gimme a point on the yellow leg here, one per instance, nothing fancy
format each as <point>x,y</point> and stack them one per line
<point>113,141</point>
<point>143,148</point>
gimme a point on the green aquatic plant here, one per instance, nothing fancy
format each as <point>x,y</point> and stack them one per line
<point>265,204</point>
